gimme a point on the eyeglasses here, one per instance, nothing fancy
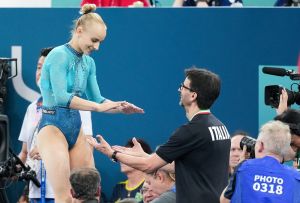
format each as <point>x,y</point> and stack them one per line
<point>144,190</point>
<point>183,86</point>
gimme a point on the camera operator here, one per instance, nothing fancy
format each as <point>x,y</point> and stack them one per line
<point>290,117</point>
<point>265,179</point>
<point>283,102</point>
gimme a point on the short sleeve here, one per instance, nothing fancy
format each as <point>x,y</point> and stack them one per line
<point>180,143</point>
<point>29,124</point>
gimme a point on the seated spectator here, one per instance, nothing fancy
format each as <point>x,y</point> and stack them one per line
<point>128,200</point>
<point>162,182</point>
<point>287,3</point>
<point>132,186</point>
<point>207,3</point>
<point>158,187</point>
<point>85,185</point>
<point>265,179</point>
<point>117,3</point>
<point>235,150</point>
<point>147,192</point>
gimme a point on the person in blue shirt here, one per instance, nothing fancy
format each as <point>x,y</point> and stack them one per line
<point>68,76</point>
<point>265,179</point>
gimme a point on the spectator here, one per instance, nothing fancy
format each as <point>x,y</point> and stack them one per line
<point>132,186</point>
<point>147,192</point>
<point>128,200</point>
<point>199,148</point>
<point>235,150</point>
<point>207,3</point>
<point>287,3</point>
<point>265,179</point>
<point>162,182</point>
<point>85,183</point>
<point>117,3</point>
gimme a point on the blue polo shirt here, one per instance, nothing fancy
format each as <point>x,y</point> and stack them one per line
<point>264,180</point>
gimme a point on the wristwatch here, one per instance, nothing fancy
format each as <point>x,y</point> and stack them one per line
<point>113,156</point>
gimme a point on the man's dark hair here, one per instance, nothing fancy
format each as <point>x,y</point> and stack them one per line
<point>291,117</point>
<point>85,183</point>
<point>239,132</point>
<point>146,147</point>
<point>206,84</point>
<point>45,51</point>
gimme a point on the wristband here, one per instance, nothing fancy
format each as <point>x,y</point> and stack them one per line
<point>113,156</point>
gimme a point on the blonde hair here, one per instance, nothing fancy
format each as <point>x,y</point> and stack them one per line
<point>276,137</point>
<point>87,15</point>
<point>169,175</point>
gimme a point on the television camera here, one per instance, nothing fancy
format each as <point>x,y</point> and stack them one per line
<point>273,92</point>
<point>13,168</point>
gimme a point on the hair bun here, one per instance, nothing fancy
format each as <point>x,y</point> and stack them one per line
<point>87,8</point>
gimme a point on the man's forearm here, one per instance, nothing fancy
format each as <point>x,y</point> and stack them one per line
<point>139,163</point>
<point>146,164</point>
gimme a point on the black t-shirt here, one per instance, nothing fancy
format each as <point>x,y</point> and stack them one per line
<point>200,150</point>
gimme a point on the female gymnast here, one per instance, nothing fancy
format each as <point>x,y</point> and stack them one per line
<point>68,74</point>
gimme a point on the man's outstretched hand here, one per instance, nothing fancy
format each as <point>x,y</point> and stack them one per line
<point>136,150</point>
<point>101,146</point>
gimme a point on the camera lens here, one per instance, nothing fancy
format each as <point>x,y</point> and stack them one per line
<point>249,142</point>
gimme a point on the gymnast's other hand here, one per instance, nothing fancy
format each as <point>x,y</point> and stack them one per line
<point>106,106</point>
<point>129,108</point>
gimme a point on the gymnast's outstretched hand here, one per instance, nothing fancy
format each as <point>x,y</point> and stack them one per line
<point>129,108</point>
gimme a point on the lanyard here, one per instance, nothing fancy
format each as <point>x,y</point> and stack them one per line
<point>43,183</point>
<point>173,189</point>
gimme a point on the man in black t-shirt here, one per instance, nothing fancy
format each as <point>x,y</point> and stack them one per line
<point>199,148</point>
